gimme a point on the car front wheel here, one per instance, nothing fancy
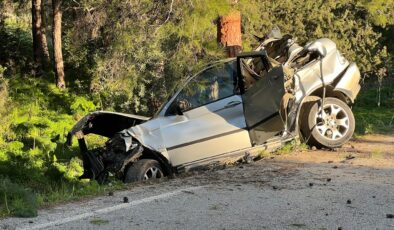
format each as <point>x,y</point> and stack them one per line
<point>144,169</point>
<point>331,127</point>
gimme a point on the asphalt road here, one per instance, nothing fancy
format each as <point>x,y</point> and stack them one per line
<point>352,188</point>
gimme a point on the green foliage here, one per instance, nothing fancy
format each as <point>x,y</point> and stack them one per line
<point>98,221</point>
<point>16,199</point>
<point>136,54</point>
<point>16,45</point>
<point>380,12</point>
<point>374,120</point>
<point>290,147</point>
<point>32,150</point>
<point>345,22</point>
<point>82,106</point>
<point>368,98</point>
<point>369,117</point>
<point>139,61</point>
<point>4,104</point>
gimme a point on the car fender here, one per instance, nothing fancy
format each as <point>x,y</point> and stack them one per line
<point>149,135</point>
<point>349,82</point>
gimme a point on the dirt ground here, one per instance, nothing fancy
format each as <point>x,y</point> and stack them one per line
<point>347,188</point>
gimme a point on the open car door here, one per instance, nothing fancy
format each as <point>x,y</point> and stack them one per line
<point>262,89</point>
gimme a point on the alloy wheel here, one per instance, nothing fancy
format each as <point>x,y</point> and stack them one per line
<point>153,173</point>
<point>332,122</point>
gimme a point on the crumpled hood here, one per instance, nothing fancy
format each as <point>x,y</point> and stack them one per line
<point>104,123</point>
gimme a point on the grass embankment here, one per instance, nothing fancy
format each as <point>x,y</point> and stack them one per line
<point>36,167</point>
<point>371,118</point>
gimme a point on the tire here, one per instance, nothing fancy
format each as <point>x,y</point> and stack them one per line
<point>144,169</point>
<point>332,129</point>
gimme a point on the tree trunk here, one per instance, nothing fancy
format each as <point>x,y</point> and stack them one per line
<point>43,39</point>
<point>40,46</point>
<point>229,33</point>
<point>57,43</point>
<point>35,30</point>
<point>2,14</point>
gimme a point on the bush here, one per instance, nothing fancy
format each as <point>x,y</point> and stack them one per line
<point>17,200</point>
<point>371,118</point>
<point>81,106</point>
<point>33,154</point>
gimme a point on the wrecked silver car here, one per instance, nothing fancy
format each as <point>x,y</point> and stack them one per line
<point>258,100</point>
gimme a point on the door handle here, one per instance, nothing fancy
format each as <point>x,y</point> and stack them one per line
<point>232,104</point>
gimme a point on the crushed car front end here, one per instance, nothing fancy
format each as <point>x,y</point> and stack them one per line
<point>121,149</point>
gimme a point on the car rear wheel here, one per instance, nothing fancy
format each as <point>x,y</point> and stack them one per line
<point>332,127</point>
<point>144,169</point>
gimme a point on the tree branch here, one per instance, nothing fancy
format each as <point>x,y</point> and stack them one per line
<point>169,12</point>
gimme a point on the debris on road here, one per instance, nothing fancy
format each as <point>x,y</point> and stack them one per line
<point>350,156</point>
<point>189,192</point>
<point>125,200</point>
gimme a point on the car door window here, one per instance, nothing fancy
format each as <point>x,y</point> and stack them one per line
<point>214,83</point>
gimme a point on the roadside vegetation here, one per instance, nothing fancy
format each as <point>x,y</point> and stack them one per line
<point>374,109</point>
<point>127,56</point>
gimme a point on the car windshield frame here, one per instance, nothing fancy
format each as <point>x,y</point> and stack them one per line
<point>162,111</point>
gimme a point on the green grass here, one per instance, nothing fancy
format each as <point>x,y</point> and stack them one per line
<point>290,147</point>
<point>37,169</point>
<point>16,199</point>
<point>371,118</point>
<point>22,201</point>
<point>99,221</point>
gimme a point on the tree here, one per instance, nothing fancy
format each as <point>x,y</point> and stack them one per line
<point>380,12</point>
<point>40,46</point>
<point>57,43</point>
<point>134,54</point>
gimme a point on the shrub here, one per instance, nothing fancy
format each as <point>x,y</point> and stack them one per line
<point>17,200</point>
